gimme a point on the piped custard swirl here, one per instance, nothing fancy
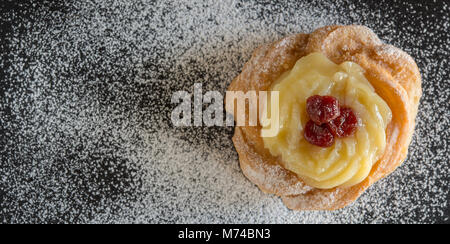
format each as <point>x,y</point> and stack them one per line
<point>349,160</point>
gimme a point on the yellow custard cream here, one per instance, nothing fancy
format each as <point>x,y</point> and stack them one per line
<point>350,159</point>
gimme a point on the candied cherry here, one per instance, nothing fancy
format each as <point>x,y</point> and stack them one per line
<point>322,109</point>
<point>345,124</point>
<point>318,135</point>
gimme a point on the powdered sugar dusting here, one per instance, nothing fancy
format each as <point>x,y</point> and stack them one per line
<point>85,110</point>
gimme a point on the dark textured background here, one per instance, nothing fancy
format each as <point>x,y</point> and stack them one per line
<point>85,90</point>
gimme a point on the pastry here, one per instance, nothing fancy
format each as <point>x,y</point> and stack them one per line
<point>324,158</point>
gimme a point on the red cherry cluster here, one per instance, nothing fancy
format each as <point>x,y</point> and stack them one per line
<point>328,120</point>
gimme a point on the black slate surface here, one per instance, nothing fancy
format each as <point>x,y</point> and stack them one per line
<point>83,82</point>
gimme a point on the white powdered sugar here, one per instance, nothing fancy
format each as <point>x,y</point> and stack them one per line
<point>85,107</point>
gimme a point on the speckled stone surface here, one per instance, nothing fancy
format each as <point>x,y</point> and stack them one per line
<point>85,103</point>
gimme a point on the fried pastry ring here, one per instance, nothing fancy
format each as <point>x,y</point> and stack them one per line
<point>394,76</point>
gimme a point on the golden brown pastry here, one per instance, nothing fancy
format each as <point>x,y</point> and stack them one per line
<point>289,167</point>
